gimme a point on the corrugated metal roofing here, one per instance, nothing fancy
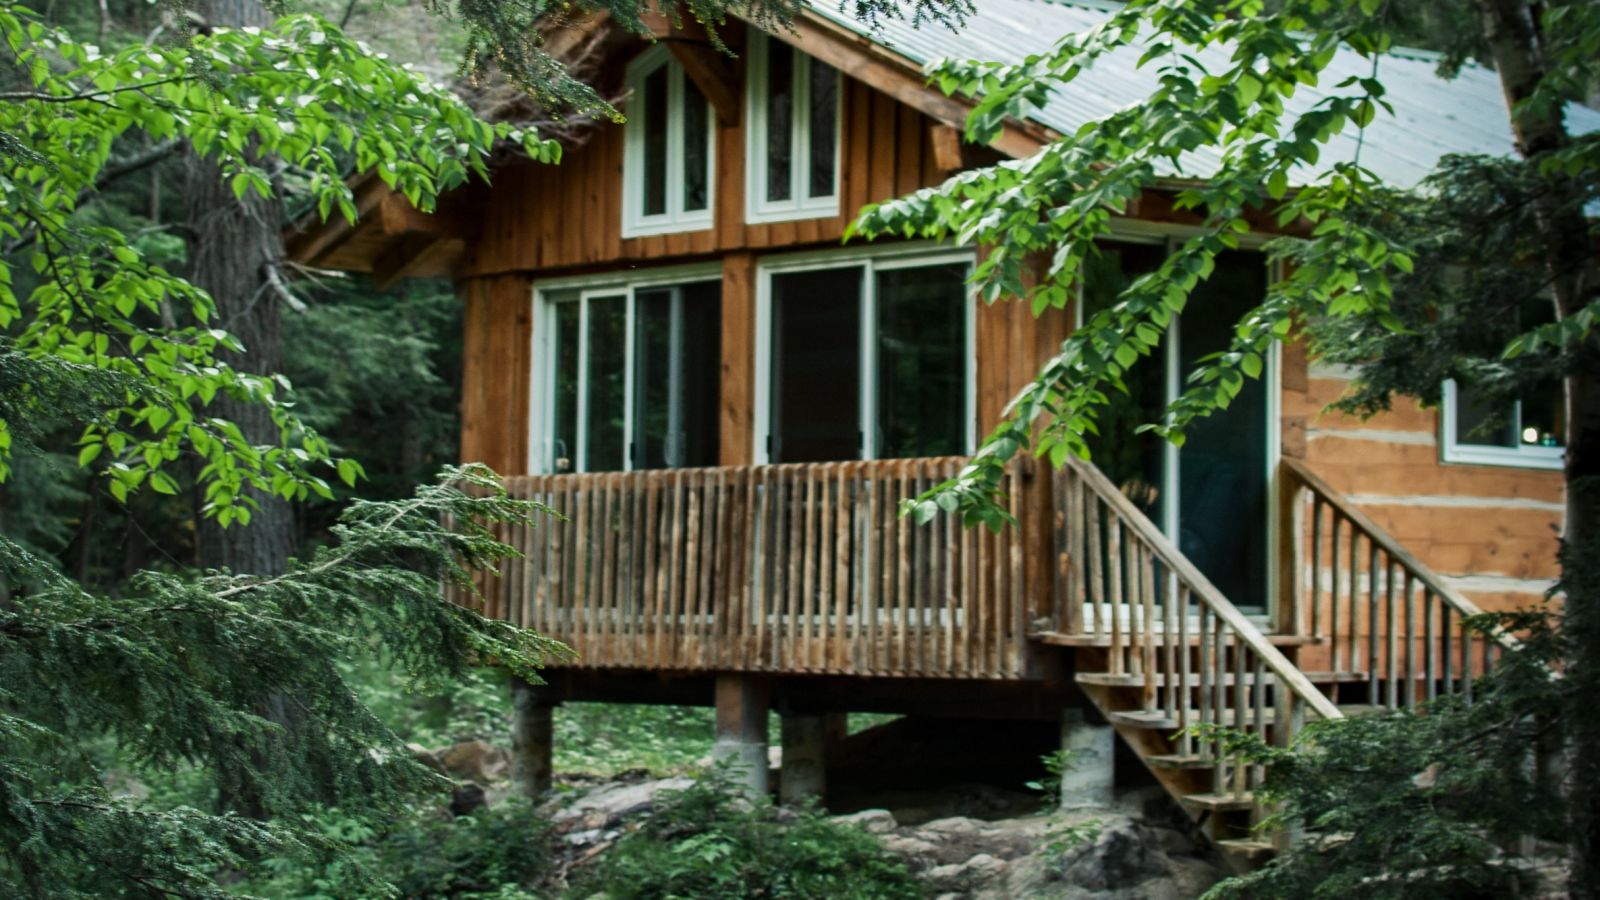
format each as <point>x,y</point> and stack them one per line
<point>1432,116</point>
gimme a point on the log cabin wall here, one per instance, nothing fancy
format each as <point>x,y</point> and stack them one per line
<point>1490,530</point>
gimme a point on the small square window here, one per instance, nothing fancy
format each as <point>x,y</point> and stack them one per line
<point>667,160</point>
<point>792,142</point>
<point>1530,433</point>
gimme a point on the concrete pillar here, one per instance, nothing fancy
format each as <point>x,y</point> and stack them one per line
<point>532,740</point>
<point>1087,777</point>
<point>805,758</point>
<point>742,704</point>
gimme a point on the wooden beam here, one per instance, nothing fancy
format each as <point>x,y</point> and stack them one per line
<point>946,140</point>
<point>901,79</point>
<point>312,239</point>
<point>405,256</point>
<point>695,49</point>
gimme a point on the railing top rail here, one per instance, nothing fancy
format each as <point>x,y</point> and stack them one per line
<point>866,465</point>
<point>1201,587</point>
<point>1429,578</point>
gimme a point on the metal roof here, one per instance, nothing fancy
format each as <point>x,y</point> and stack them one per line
<point>1432,116</point>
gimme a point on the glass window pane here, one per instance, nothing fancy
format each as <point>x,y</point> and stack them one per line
<point>922,338</point>
<point>677,371</point>
<point>780,108</point>
<point>696,132</point>
<point>655,348</point>
<point>824,113</point>
<point>1482,422</point>
<point>654,111</point>
<point>1131,459</point>
<point>1222,465</point>
<point>701,360</point>
<point>565,428</point>
<point>1543,420</point>
<point>608,319</point>
<point>816,366</point>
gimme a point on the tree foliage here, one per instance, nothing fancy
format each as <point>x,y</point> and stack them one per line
<point>187,670</point>
<point>1223,73</point>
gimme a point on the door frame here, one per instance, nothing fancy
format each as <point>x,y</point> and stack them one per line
<point>1151,233</point>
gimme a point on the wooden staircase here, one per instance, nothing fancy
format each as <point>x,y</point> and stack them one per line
<point>1361,626</point>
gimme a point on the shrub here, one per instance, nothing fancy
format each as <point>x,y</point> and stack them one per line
<point>709,843</point>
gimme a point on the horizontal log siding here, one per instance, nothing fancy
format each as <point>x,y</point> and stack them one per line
<point>1473,524</point>
<point>569,217</point>
<point>804,568</point>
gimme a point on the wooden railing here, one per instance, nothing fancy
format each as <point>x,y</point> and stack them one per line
<point>792,568</point>
<point>1198,661</point>
<point>1384,622</point>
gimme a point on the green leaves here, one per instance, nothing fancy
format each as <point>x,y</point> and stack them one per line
<point>1220,72</point>
<point>301,92</point>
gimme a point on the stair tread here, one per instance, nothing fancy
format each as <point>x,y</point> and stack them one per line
<point>1226,800</point>
<point>1160,718</point>
<point>1064,639</point>
<point>1181,761</point>
<point>1250,848</point>
<point>1108,679</point>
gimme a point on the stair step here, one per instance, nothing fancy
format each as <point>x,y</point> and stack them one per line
<point>1251,849</point>
<point>1159,719</point>
<point>1064,639</point>
<point>1223,801</point>
<point>1180,761</point>
<point>1107,679</point>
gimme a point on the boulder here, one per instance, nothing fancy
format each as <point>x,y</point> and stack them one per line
<point>610,804</point>
<point>478,761</point>
<point>1123,855</point>
<point>875,821</point>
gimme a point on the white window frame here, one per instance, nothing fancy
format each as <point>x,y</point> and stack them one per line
<point>549,294</point>
<point>676,219</point>
<point>1525,456</point>
<point>800,205</point>
<point>911,256</point>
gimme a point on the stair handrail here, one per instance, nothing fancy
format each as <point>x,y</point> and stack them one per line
<point>1201,588</point>
<point>1418,570</point>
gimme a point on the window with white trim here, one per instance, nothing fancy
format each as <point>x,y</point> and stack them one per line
<point>633,376</point>
<point>1530,433</point>
<point>866,359</point>
<point>792,142</point>
<point>667,160</point>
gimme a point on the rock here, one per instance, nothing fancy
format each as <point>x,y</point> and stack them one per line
<point>974,874</point>
<point>875,821</point>
<point>1124,854</point>
<point>608,805</point>
<point>1174,842</point>
<point>956,826</point>
<point>478,761</point>
<point>916,853</point>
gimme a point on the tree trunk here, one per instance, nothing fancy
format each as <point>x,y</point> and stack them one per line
<point>1519,58</point>
<point>231,242</point>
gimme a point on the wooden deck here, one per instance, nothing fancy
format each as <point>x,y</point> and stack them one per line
<point>809,570</point>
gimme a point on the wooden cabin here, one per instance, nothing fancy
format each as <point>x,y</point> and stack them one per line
<point>667,342</point>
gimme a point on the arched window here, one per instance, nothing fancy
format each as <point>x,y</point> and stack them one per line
<point>667,165</point>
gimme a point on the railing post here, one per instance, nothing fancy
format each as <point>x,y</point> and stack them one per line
<point>1291,553</point>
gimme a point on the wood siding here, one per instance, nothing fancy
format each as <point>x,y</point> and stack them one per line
<point>497,367</point>
<point>569,217</point>
<point>1490,530</point>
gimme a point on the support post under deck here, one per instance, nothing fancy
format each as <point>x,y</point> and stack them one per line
<point>805,757</point>
<point>1087,777</point>
<point>742,704</point>
<point>532,740</point>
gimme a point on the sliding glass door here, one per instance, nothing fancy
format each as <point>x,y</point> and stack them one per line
<point>1212,495</point>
